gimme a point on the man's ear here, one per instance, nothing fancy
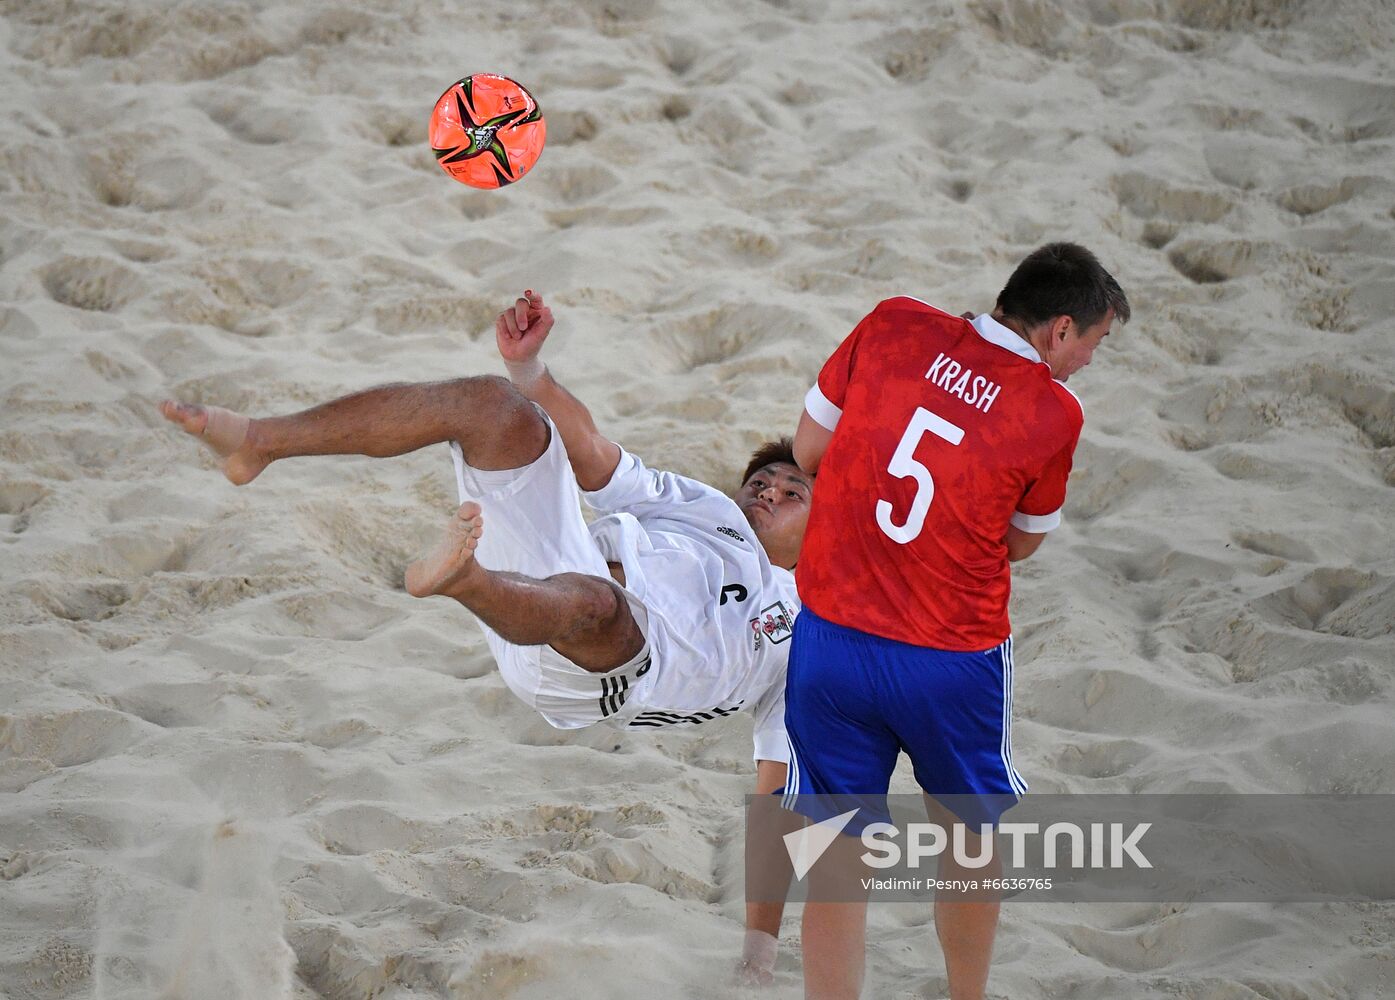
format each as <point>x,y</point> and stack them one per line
<point>1060,326</point>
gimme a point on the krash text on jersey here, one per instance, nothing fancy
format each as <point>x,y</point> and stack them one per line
<point>978,391</point>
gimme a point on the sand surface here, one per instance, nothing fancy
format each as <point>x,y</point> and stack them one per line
<point>238,761</point>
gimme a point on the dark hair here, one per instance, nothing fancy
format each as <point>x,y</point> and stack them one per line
<point>1062,279</point>
<point>768,453</point>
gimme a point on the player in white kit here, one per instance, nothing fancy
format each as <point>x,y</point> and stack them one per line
<point>675,608</point>
<point>699,575</point>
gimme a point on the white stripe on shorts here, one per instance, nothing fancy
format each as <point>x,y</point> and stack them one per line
<point>1005,751</point>
<point>791,777</point>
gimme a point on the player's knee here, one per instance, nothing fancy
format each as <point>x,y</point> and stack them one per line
<point>597,606</point>
<point>519,420</point>
<point>602,608</point>
<point>493,392</point>
<point>509,432</point>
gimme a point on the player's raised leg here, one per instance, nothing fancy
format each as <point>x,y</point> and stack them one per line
<point>496,426</point>
<point>223,431</point>
<point>585,618</point>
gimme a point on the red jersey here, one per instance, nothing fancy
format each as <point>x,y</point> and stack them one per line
<point>947,431</point>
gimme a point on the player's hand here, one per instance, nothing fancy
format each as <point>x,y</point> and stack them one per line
<point>520,330</point>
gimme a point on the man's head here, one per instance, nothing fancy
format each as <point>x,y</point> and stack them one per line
<point>775,496</point>
<point>1062,300</point>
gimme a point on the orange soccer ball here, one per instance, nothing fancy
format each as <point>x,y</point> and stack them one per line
<point>487,131</point>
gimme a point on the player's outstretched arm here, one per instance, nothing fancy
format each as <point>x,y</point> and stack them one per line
<point>520,332</point>
<point>766,826</point>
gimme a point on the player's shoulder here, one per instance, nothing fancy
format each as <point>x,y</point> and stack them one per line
<point>661,490</point>
<point>906,319</point>
<point>1069,402</point>
<point>1043,402</point>
<point>910,305</point>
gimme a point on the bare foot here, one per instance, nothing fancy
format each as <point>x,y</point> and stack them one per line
<point>452,559</point>
<point>227,433</point>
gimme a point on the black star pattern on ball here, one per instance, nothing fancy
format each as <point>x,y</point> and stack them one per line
<point>484,136</point>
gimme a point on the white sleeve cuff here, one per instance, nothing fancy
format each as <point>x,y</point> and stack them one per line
<point>614,492</point>
<point>1036,524</point>
<point>772,744</point>
<point>825,414</point>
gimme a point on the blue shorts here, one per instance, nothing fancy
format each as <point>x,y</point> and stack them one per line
<point>854,701</point>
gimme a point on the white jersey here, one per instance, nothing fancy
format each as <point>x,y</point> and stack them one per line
<point>716,615</point>
<point>720,615</point>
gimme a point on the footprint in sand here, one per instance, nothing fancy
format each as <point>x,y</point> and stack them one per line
<point>1310,199</point>
<point>1211,263</point>
<point>581,182</point>
<point>91,283</point>
<point>17,499</point>
<point>259,124</point>
<point>1151,199</point>
<point>910,55</point>
<point>1345,602</point>
<point>714,337</point>
<point>565,128</point>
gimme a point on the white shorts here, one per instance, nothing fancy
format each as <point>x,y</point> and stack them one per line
<point>533,526</point>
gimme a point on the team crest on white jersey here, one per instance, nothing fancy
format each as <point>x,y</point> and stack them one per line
<point>775,624</point>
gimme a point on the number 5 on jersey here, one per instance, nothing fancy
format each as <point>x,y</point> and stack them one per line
<point>904,466</point>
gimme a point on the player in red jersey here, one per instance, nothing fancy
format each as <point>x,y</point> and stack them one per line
<point>942,447</point>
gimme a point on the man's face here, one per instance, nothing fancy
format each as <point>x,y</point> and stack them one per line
<point>1069,355</point>
<point>775,501</point>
